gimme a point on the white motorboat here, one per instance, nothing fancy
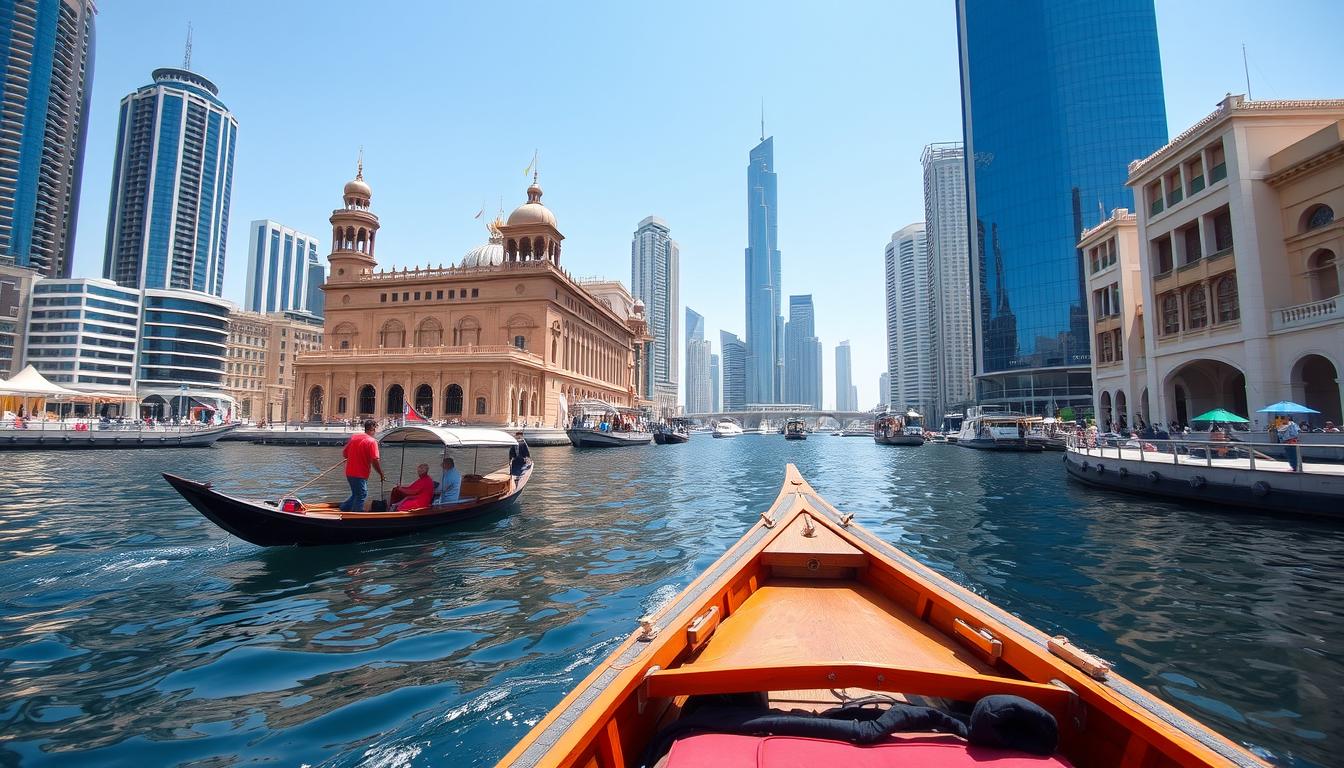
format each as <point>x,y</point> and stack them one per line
<point>993,428</point>
<point>727,428</point>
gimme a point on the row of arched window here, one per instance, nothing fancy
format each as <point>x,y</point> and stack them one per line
<point>357,239</point>
<point>428,333</point>
<point>1188,309</point>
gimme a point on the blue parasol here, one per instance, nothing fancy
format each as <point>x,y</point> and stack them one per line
<point>1285,406</point>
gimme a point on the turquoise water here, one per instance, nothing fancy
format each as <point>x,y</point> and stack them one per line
<point>134,632</point>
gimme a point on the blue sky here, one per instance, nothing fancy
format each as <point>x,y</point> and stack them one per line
<point>637,110</point>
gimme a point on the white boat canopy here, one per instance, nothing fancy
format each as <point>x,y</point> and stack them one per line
<point>449,437</point>
<point>30,383</point>
<point>913,414</point>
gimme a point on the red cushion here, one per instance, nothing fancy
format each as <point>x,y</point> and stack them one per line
<point>729,751</point>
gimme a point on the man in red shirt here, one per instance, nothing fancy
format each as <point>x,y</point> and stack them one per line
<point>361,453</point>
<point>417,495</point>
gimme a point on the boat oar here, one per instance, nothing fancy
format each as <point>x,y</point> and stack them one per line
<point>295,492</point>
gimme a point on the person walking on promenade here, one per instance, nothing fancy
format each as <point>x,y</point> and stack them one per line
<point>1288,434</point>
<point>361,453</point>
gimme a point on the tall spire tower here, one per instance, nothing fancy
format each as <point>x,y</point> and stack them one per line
<point>354,230</point>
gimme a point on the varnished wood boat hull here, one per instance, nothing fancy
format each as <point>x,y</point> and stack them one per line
<point>807,601</point>
<point>260,523</point>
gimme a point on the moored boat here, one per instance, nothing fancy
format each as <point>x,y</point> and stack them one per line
<point>991,428</point>
<point>895,429</point>
<point>84,435</point>
<point>673,432</point>
<point>287,520</point>
<point>795,429</point>
<point>599,424</point>
<point>810,613</point>
<point>727,428</point>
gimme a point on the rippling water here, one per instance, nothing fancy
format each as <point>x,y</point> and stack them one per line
<point>134,632</point>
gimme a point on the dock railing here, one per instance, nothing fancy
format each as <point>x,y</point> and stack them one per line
<point>71,426</point>
<point>1199,450</point>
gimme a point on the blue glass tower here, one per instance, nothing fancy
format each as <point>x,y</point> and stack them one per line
<point>1057,97</point>
<point>765,324</point>
<point>169,217</point>
<point>46,77</point>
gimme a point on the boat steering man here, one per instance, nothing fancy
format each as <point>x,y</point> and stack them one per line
<point>361,454</point>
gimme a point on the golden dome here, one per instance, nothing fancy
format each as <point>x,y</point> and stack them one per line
<point>357,187</point>
<point>532,212</point>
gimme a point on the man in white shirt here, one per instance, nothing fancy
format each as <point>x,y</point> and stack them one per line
<point>450,488</point>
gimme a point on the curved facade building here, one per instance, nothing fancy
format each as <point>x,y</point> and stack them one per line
<point>1058,96</point>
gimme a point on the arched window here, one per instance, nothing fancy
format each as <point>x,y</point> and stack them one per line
<point>367,398</point>
<point>1226,301</point>
<point>1317,217</point>
<point>429,333</point>
<point>1196,308</point>
<point>315,404</point>
<point>520,342</point>
<point>393,334</point>
<point>452,400</point>
<point>345,335</point>
<point>480,406</point>
<point>1171,314</point>
<point>522,405</point>
<point>1323,274</point>
<point>395,398</point>
<point>424,401</point>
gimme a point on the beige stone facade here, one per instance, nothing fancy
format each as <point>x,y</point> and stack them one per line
<point>260,371</point>
<point>505,338</point>
<point>1115,310</point>
<point>1238,249</point>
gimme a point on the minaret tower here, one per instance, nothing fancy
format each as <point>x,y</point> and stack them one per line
<point>353,231</point>
<point>531,233</point>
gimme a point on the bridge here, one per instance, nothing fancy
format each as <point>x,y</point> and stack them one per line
<point>752,416</point>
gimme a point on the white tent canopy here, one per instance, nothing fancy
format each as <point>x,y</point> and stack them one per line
<point>30,383</point>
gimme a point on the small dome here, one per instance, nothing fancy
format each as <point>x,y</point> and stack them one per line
<point>488,255</point>
<point>358,188</point>
<point>532,212</point>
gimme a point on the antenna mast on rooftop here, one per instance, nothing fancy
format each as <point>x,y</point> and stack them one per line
<point>186,57</point>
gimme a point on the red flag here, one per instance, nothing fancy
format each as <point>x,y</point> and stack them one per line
<point>410,415</point>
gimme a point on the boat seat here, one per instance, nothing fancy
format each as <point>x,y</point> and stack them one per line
<point>718,750</point>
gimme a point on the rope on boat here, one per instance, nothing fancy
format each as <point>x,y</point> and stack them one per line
<point>295,492</point>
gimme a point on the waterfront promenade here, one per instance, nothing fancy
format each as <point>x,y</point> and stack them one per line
<point>135,631</point>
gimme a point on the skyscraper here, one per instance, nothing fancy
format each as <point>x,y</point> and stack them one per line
<point>846,395</point>
<point>1057,97</point>
<point>802,354</point>
<point>699,398</point>
<point>764,322</point>
<point>734,369</point>
<point>949,276</point>
<point>914,381</point>
<point>715,392</point>
<point>653,280</point>
<point>884,390</point>
<point>280,263</point>
<point>46,78</point>
<point>169,216</point>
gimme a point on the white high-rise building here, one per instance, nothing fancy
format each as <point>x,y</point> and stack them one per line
<point>699,396</point>
<point>949,276</point>
<point>654,280</point>
<point>914,380</point>
<point>284,273</point>
<point>846,394</point>
<point>884,390</point>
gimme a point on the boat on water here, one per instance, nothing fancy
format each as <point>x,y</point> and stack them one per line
<point>795,429</point>
<point>1201,467</point>
<point>33,434</point>
<point>672,432</point>
<point>859,431</point>
<point>897,429</point>
<point>481,456</point>
<point>951,426</point>
<point>599,424</point>
<point>993,428</point>
<point>727,428</point>
<point>809,642</point>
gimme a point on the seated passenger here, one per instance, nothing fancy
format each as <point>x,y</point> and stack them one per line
<point>417,495</point>
<point>450,489</point>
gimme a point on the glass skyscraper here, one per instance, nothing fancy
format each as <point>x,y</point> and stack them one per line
<point>802,354</point>
<point>46,78</point>
<point>1057,97</point>
<point>654,271</point>
<point>734,371</point>
<point>765,324</point>
<point>846,394</point>
<point>699,398</point>
<point>284,273</point>
<point>169,216</point>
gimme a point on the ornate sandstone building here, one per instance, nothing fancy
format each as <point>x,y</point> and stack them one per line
<point>496,340</point>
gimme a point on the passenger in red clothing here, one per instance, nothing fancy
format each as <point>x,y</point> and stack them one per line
<point>361,453</point>
<point>417,495</point>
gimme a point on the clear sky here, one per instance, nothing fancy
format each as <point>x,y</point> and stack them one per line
<point>637,109</point>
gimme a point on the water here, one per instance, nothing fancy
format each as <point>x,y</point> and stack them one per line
<point>134,632</point>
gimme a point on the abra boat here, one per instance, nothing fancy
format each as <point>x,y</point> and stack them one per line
<point>894,429</point>
<point>727,428</point>
<point>795,429</point>
<point>809,611</point>
<point>674,432</point>
<point>599,424</point>
<point>992,428</point>
<point>52,436</point>
<point>288,520</point>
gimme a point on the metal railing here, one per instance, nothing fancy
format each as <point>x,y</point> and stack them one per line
<point>84,426</point>
<point>1196,451</point>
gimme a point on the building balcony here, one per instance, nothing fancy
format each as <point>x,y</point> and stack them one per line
<point>413,354</point>
<point>1306,315</point>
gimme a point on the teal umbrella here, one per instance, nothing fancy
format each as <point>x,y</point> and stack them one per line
<point>1219,414</point>
<point>1285,406</point>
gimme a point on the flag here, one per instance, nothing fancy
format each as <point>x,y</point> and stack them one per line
<point>410,415</point>
<point>532,164</point>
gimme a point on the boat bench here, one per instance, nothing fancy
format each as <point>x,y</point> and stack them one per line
<point>718,750</point>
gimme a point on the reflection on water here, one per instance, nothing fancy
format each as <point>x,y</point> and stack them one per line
<point>132,631</point>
